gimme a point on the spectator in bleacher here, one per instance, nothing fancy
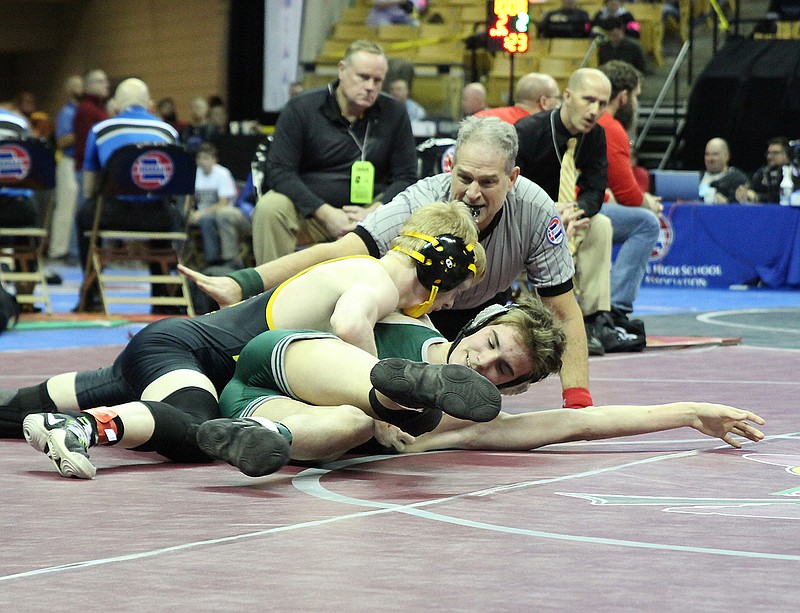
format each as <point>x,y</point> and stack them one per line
<point>25,104</point>
<point>720,181</point>
<point>633,213</point>
<point>534,92</point>
<point>614,8</point>
<point>570,21</point>
<point>398,89</point>
<point>391,12</point>
<point>91,110</point>
<point>621,47</point>
<point>221,223</point>
<point>218,115</point>
<point>338,153</point>
<point>473,98</point>
<point>199,130</point>
<point>766,183</point>
<point>167,111</point>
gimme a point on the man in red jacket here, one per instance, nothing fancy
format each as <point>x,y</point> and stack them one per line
<point>633,213</point>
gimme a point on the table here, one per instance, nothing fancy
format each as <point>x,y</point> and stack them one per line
<point>727,244</point>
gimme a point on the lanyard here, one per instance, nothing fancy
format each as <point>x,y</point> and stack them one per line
<point>361,146</point>
<point>560,157</point>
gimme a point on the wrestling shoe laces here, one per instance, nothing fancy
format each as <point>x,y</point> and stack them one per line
<point>65,440</point>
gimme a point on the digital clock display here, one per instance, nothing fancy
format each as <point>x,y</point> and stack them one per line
<point>507,24</point>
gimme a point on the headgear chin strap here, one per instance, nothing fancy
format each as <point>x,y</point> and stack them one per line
<point>444,263</point>
<point>420,309</point>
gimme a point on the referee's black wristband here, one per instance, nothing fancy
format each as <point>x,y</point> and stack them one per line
<point>249,280</point>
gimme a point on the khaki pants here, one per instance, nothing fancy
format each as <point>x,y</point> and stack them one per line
<point>63,220</point>
<point>278,228</point>
<point>591,251</point>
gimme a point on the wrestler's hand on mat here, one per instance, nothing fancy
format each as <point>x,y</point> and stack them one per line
<point>224,290</point>
<point>389,435</point>
<point>723,422</point>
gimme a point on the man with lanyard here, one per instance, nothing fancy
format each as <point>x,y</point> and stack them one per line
<point>571,132</point>
<point>519,228</point>
<point>134,123</point>
<point>338,152</point>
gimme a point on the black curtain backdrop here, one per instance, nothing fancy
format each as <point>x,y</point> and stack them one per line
<point>246,60</point>
<point>748,93</point>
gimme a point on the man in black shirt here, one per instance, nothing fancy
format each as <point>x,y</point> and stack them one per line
<point>543,141</point>
<point>569,21</point>
<point>338,152</point>
<point>766,183</point>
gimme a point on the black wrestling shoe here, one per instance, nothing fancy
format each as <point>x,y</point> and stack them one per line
<point>455,389</point>
<point>251,447</point>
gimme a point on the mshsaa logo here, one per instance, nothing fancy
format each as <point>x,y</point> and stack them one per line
<point>447,159</point>
<point>666,235</point>
<point>15,163</point>
<point>152,170</point>
<point>555,231</point>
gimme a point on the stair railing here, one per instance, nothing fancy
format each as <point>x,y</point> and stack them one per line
<point>669,81</point>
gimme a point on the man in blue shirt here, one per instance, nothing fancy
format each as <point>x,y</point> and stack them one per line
<point>132,124</point>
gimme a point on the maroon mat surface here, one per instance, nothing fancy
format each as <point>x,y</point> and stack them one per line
<point>666,522</point>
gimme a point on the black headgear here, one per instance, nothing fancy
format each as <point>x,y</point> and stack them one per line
<point>481,320</point>
<point>446,261</point>
<point>443,263</point>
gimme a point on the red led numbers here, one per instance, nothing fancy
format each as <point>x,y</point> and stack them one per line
<point>507,25</point>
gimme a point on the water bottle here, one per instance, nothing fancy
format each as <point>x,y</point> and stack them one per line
<point>787,186</point>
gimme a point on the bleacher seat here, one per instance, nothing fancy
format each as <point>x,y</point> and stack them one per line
<point>651,37</point>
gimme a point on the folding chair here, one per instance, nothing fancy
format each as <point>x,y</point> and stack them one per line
<point>157,171</point>
<point>27,164</point>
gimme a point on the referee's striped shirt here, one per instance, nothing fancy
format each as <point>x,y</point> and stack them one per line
<point>526,235</point>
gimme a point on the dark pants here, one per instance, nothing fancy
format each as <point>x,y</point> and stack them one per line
<point>18,212</point>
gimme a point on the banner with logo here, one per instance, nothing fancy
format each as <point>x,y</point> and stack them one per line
<point>728,244</point>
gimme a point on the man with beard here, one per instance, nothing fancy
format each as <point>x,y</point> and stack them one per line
<point>633,213</point>
<point>546,142</point>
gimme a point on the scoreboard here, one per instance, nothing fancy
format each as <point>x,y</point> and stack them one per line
<point>507,23</point>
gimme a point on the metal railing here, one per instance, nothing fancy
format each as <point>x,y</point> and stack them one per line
<point>670,81</point>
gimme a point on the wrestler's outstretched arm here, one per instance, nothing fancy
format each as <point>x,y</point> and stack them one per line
<point>531,430</point>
